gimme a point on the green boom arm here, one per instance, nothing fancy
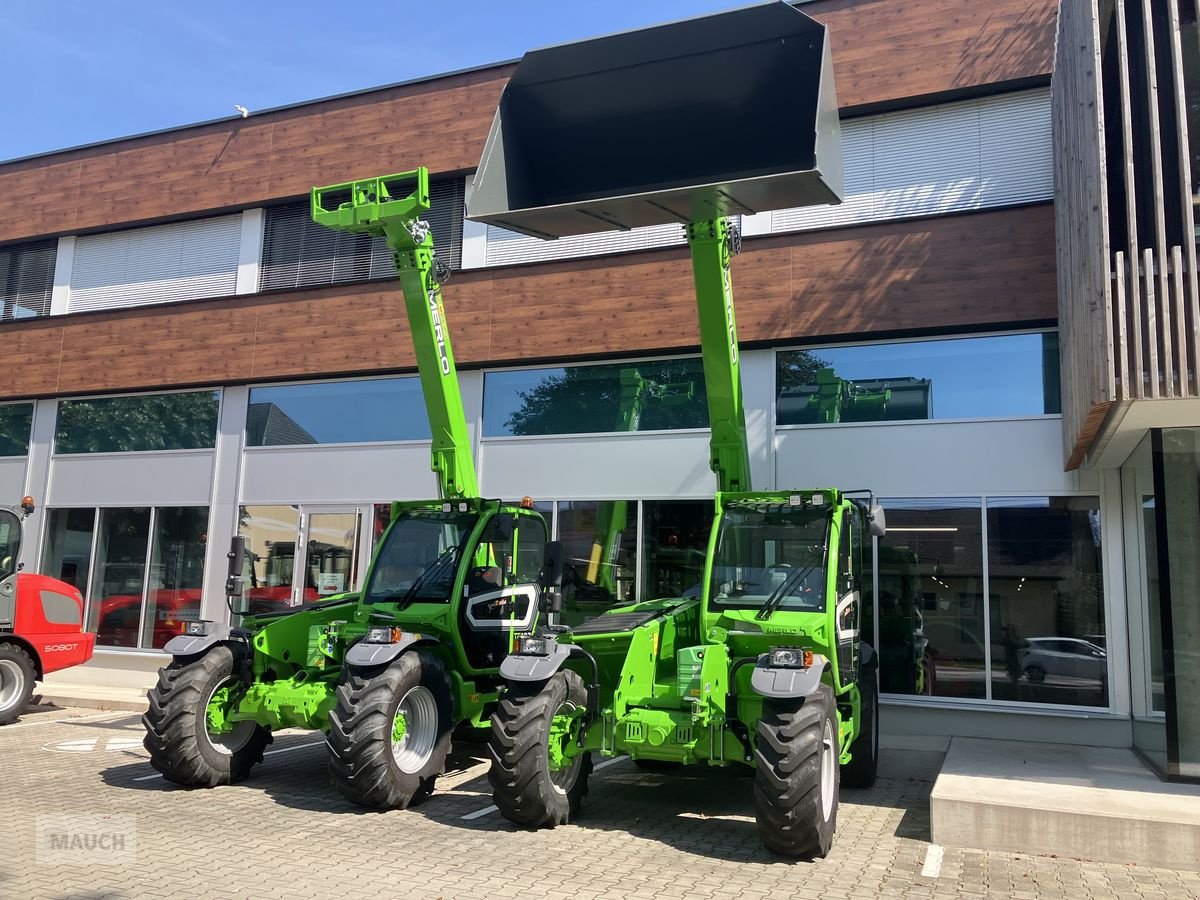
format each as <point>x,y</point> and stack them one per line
<point>712,245</point>
<point>392,206</point>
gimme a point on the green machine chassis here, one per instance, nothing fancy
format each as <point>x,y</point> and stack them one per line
<point>387,672</point>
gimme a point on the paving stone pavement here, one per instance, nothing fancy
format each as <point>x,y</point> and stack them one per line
<point>286,832</point>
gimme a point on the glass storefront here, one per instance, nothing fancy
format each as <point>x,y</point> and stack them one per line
<point>145,422</point>
<point>337,412</point>
<point>1162,481</point>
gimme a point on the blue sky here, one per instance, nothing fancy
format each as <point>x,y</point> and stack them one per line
<point>79,71</point>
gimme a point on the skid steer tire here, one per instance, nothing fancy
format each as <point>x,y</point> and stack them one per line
<point>177,734</point>
<point>864,751</point>
<point>796,782</point>
<point>523,788</point>
<point>17,676</point>
<point>370,765</point>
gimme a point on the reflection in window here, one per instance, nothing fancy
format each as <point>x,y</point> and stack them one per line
<point>674,543</point>
<point>646,396</point>
<point>270,533</point>
<point>600,545</point>
<point>931,600</point>
<point>176,581</point>
<point>335,412</point>
<point>1046,592</point>
<point>16,421</point>
<point>115,598</point>
<point>67,550</point>
<point>146,422</point>
<point>966,378</point>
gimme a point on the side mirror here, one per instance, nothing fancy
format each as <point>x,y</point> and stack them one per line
<point>876,522</point>
<point>234,582</point>
<point>553,562</point>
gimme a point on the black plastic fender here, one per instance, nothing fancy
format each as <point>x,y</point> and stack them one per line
<point>195,644</point>
<point>524,667</point>
<point>785,683</point>
<point>364,654</point>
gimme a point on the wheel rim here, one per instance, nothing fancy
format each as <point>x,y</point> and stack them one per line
<point>828,761</point>
<point>563,778</point>
<point>226,742</point>
<point>414,730</point>
<point>12,681</point>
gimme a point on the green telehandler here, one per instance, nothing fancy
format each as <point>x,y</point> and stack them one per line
<point>694,122</point>
<point>385,673</point>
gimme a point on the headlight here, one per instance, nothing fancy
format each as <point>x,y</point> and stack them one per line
<point>789,658</point>
<point>196,629</point>
<point>533,646</point>
<point>382,634</point>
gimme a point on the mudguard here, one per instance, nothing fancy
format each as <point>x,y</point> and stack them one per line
<point>192,644</point>
<point>522,667</point>
<point>364,654</point>
<point>786,683</point>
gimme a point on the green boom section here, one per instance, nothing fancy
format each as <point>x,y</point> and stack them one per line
<point>391,207</point>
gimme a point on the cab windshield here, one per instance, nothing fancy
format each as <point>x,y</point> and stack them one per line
<point>419,557</point>
<point>771,556</point>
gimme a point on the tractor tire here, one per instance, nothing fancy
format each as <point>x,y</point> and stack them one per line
<point>796,781</point>
<point>17,677</point>
<point>523,787</point>
<point>370,764</point>
<point>1035,673</point>
<point>864,750</point>
<point>177,736</point>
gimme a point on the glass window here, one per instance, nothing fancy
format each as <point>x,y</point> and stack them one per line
<point>600,546</point>
<point>335,412</point>
<point>147,422</point>
<point>1046,593</point>
<point>644,396</point>
<point>270,533</point>
<point>115,598</point>
<point>532,534</point>
<point>419,557</point>
<point>176,581</point>
<point>965,378</point>
<point>67,552</point>
<point>26,279</point>
<point>674,543</point>
<point>331,554</point>
<point>16,421</point>
<point>932,620</point>
<point>297,252</point>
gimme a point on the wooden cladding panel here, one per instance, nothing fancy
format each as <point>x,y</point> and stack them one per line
<point>979,270</point>
<point>883,51</point>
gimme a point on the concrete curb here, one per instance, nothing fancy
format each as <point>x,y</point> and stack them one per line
<point>87,697</point>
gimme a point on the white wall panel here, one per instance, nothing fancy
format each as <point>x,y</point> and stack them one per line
<point>930,459</point>
<point>504,248</point>
<point>167,478</point>
<point>337,474</point>
<point>12,481</point>
<point>179,261</point>
<point>653,464</point>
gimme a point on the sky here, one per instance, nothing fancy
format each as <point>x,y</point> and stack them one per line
<point>80,71</point>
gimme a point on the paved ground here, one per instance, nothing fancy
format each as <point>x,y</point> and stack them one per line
<point>288,833</point>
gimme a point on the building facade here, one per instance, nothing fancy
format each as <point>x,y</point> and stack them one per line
<point>193,359</point>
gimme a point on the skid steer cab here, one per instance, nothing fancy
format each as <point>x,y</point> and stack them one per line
<point>41,621</point>
<point>386,673</point>
<point>766,669</point>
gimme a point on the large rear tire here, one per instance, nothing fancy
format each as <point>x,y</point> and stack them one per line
<point>17,676</point>
<point>796,782</point>
<point>177,733</point>
<point>524,788</point>
<point>389,733</point>
<point>860,772</point>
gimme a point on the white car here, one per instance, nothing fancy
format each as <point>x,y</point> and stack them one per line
<point>1072,657</point>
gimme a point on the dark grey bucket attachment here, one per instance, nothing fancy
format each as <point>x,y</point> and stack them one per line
<point>718,115</point>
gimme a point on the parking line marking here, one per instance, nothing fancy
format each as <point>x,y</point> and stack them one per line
<point>268,753</point>
<point>608,762</point>
<point>933,861</point>
<point>107,715</point>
